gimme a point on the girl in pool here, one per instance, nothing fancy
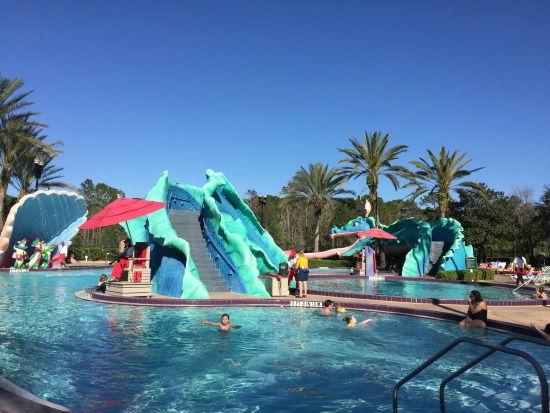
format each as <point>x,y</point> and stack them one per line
<point>352,322</point>
<point>223,325</point>
<point>477,311</point>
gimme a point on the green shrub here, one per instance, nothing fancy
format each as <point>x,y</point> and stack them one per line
<point>467,275</point>
<point>315,262</point>
<point>93,253</point>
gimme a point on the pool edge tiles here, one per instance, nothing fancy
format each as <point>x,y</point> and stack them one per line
<point>434,301</point>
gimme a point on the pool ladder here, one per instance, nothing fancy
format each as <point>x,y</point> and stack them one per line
<point>492,349</point>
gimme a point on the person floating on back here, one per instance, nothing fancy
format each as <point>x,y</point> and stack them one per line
<point>223,325</point>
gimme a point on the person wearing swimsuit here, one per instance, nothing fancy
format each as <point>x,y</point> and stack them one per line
<point>477,311</point>
<point>224,325</point>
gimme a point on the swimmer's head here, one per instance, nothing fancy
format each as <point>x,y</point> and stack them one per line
<point>350,320</point>
<point>328,303</point>
<point>340,309</point>
<point>225,319</point>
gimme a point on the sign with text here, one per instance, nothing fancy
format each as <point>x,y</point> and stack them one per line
<point>471,263</point>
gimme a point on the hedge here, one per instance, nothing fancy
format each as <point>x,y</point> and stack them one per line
<point>93,253</point>
<point>316,263</point>
<point>467,275</point>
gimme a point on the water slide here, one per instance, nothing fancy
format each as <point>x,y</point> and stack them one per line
<point>52,216</point>
<point>240,248</point>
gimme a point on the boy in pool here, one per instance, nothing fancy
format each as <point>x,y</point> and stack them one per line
<point>223,325</point>
<point>352,322</point>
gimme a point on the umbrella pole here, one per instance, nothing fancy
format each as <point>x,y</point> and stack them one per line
<point>128,230</point>
<point>130,270</point>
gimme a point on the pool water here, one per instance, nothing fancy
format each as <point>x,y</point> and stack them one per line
<point>95,357</point>
<point>415,289</point>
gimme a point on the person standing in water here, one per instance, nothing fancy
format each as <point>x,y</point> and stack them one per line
<point>328,307</point>
<point>223,325</point>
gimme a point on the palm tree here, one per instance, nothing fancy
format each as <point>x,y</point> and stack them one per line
<point>371,158</point>
<point>315,186</point>
<point>440,176</point>
<point>16,127</point>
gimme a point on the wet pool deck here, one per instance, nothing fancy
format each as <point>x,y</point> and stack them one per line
<point>507,316</point>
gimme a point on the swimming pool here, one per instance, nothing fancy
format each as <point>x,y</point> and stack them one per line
<point>414,288</point>
<point>108,358</point>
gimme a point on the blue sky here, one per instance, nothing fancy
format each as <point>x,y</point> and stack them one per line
<point>257,89</point>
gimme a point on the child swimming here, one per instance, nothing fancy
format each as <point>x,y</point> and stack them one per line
<point>352,322</point>
<point>223,325</point>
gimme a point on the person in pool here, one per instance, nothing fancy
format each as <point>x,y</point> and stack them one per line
<point>540,294</point>
<point>327,309</point>
<point>477,311</point>
<point>340,309</point>
<point>544,333</point>
<point>352,322</point>
<point>223,325</point>
<point>102,284</point>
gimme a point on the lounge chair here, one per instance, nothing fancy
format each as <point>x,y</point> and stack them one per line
<point>538,279</point>
<point>543,277</point>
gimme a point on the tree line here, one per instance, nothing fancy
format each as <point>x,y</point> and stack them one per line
<point>498,228</point>
<point>315,198</point>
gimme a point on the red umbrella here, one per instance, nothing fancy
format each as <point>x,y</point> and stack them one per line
<point>376,233</point>
<point>121,210</point>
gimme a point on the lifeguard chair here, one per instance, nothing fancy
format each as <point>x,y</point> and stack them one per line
<point>136,276</point>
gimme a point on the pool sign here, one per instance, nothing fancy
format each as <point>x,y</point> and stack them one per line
<point>471,263</point>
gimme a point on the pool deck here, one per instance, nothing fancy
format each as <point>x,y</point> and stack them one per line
<point>508,316</point>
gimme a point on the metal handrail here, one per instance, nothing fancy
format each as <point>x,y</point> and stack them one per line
<point>494,348</point>
<point>224,265</point>
<point>214,243</point>
<point>503,343</point>
<point>107,256</point>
